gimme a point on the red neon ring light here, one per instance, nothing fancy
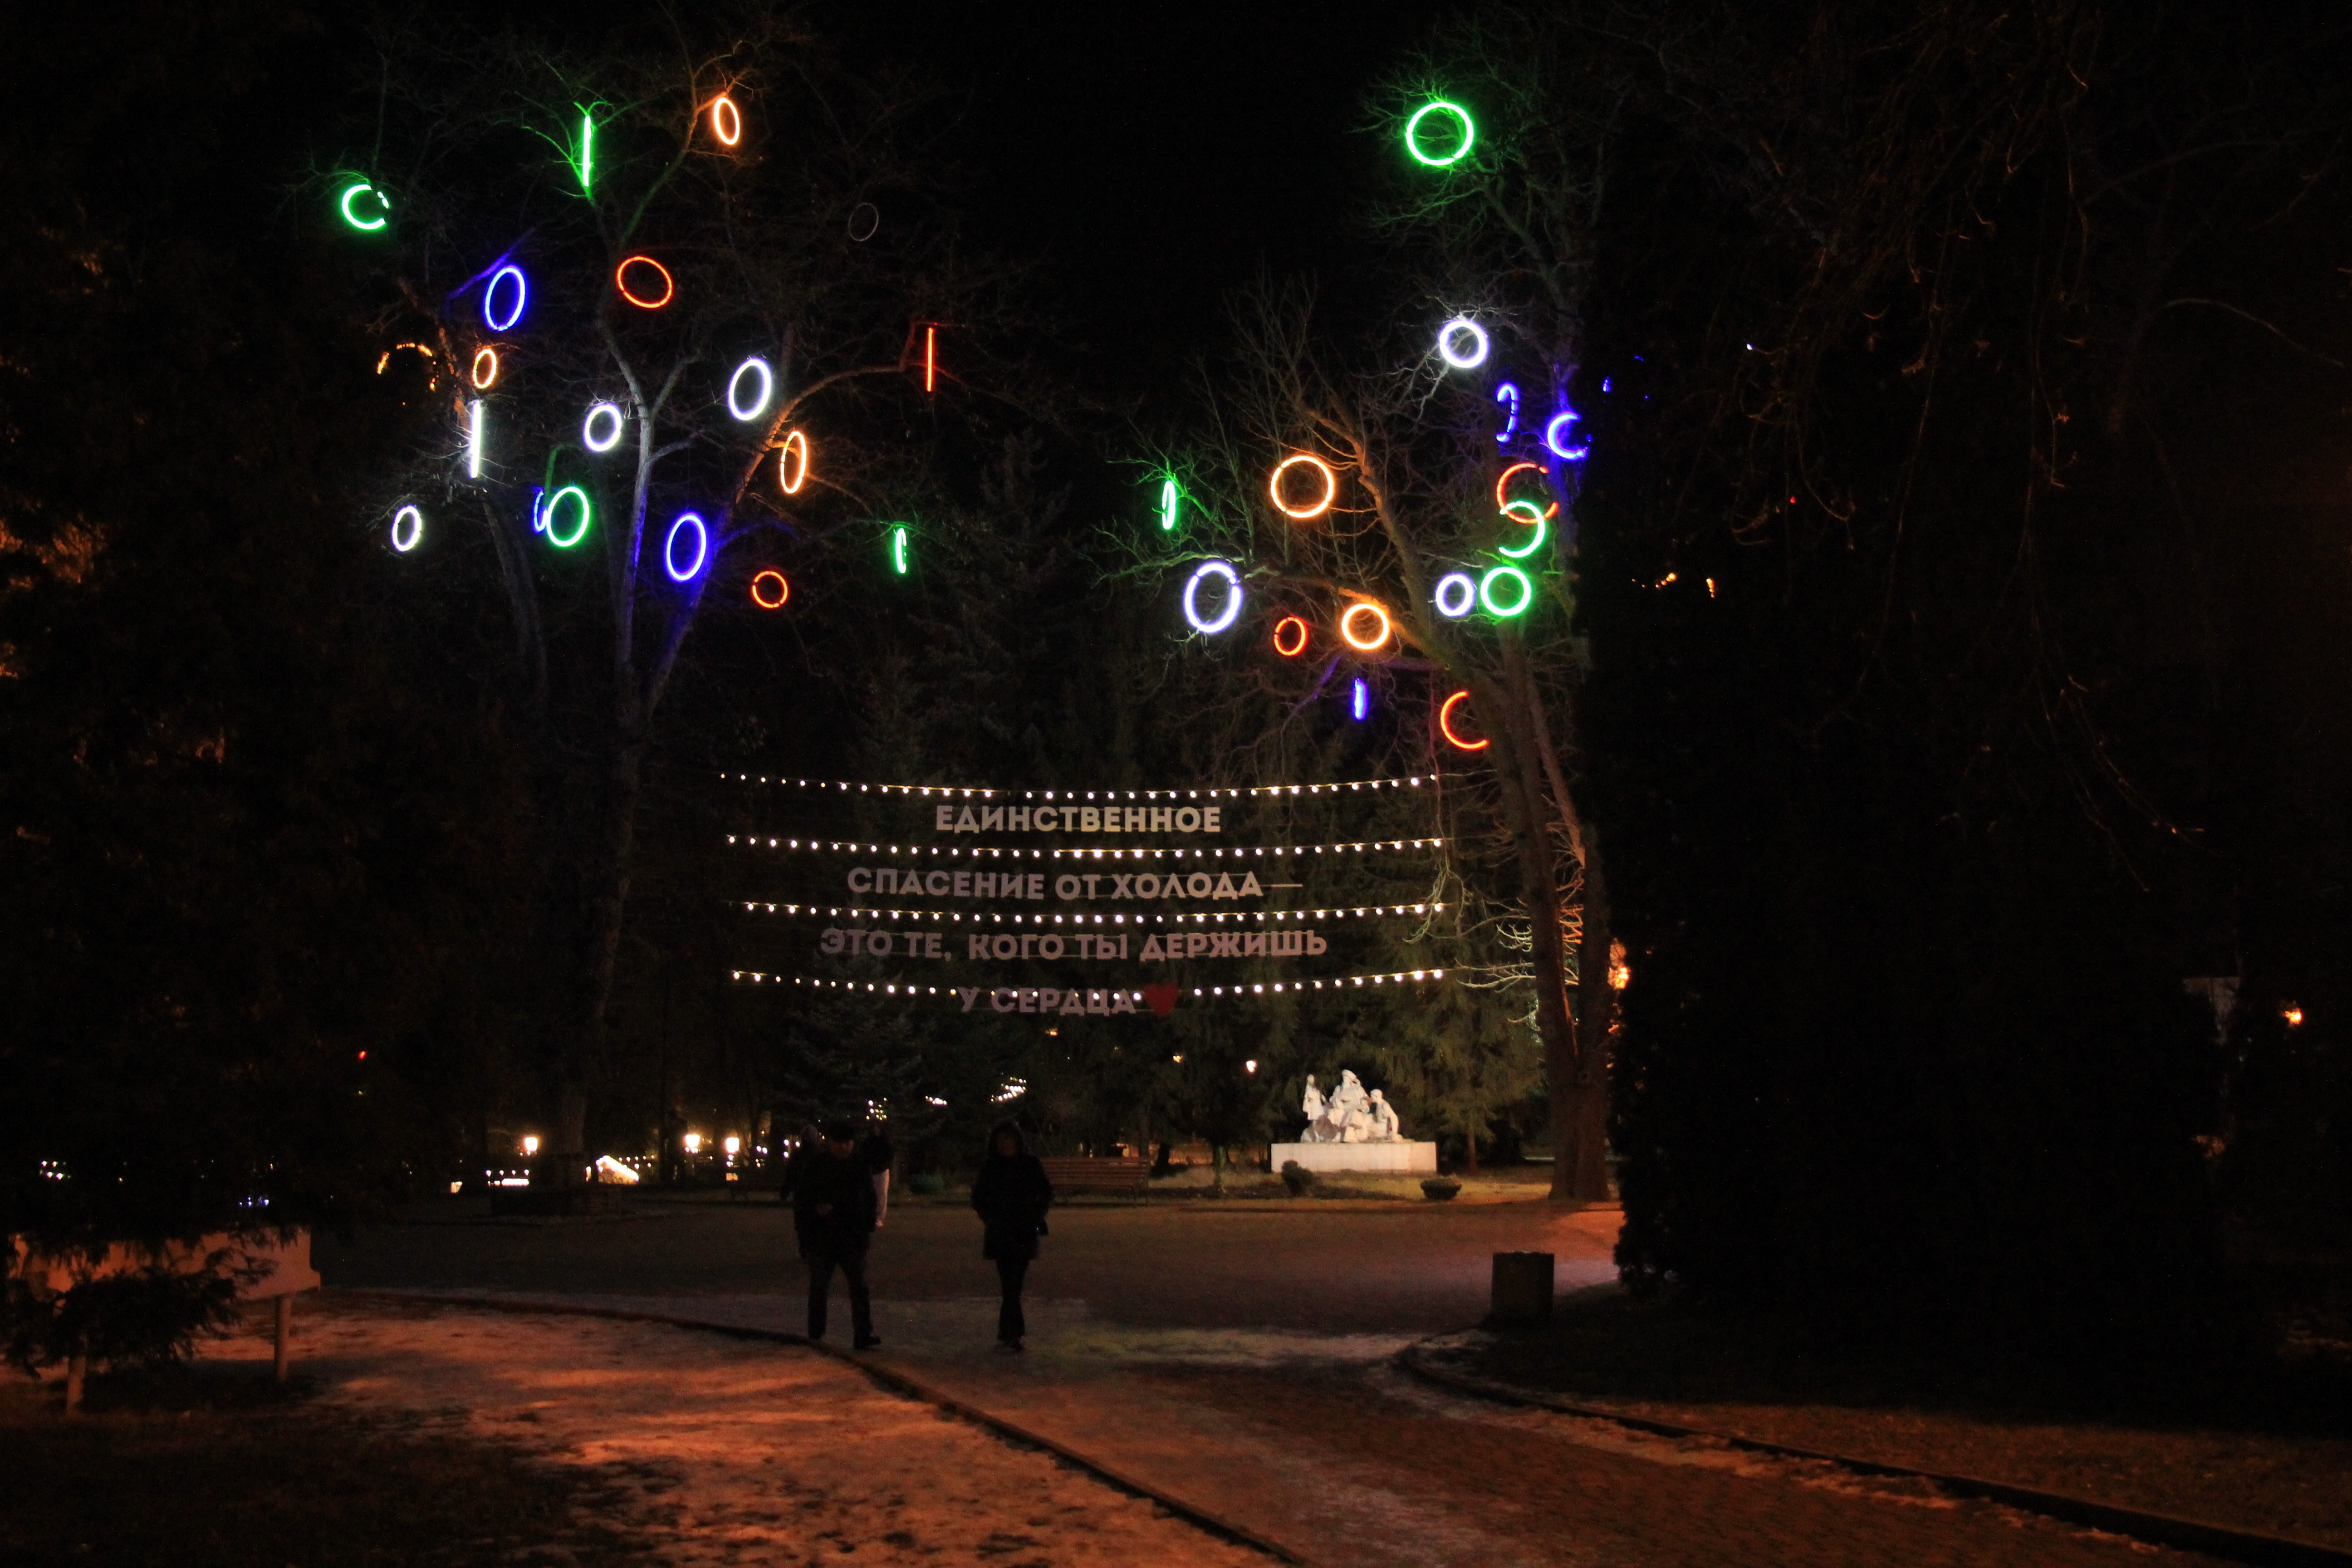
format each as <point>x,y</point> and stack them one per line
<point>783,591</point>
<point>621,281</point>
<point>1295,649</point>
<point>1445,725</point>
<point>1331,487</point>
<point>791,486</point>
<point>726,121</point>
<point>1348,619</point>
<point>482,379</point>
<point>1503,505</point>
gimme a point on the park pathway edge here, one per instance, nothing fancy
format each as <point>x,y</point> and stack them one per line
<point>887,1377</point>
<point>2157,1529</point>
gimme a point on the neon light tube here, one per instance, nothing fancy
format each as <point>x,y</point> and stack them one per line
<point>1502,502</point>
<point>588,437</point>
<point>382,206</point>
<point>1289,623</point>
<point>537,500</point>
<point>621,282</point>
<point>1510,394</point>
<point>1486,591</point>
<point>1534,519</point>
<point>415,529</point>
<point>1557,436</point>
<point>678,529</point>
<point>587,147</point>
<point>1457,596</point>
<point>1470,358</point>
<point>755,365</point>
<point>931,356</point>
<point>898,549</point>
<point>1331,487</point>
<point>1233,610</point>
<point>555,504</point>
<point>1445,725</point>
<point>789,477</point>
<point>485,374</point>
<point>1347,622</point>
<point>1169,497</point>
<point>1462,119</point>
<point>1361,701</point>
<point>490,295</point>
<point>474,439</point>
<point>726,121</point>
<point>784,590</point>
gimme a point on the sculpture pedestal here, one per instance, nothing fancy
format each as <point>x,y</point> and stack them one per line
<point>1399,1159</point>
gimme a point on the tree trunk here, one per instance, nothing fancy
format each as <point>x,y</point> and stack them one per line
<point>1470,1148</point>
<point>1582,1160</point>
<point>570,1126</point>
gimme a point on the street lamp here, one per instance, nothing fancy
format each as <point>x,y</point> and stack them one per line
<point>734,1146</point>
<point>694,1142</point>
<point>530,1146</point>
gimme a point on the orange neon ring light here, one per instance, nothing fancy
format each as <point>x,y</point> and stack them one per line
<point>1445,725</point>
<point>621,281</point>
<point>1295,649</point>
<point>482,379</point>
<point>1504,506</point>
<point>784,592</point>
<point>726,121</point>
<point>1348,619</point>
<point>1331,487</point>
<point>791,487</point>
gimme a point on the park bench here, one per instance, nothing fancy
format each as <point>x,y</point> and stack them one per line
<point>1074,1177</point>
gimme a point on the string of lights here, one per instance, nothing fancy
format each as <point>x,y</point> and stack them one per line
<point>976,791</point>
<point>1203,917</point>
<point>1377,846</point>
<point>1260,988</point>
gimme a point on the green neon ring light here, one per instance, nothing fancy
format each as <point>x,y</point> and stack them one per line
<point>384,207</point>
<point>1487,591</point>
<point>1412,134</point>
<point>587,511</point>
<point>1169,497</point>
<point>1533,519</point>
<point>898,549</point>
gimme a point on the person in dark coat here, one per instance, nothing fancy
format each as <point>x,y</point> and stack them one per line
<point>832,1214</point>
<point>1011,1195</point>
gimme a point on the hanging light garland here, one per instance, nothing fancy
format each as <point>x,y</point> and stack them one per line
<point>1198,917</point>
<point>1015,852</point>
<point>981,791</point>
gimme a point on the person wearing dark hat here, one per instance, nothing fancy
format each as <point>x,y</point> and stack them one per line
<point>832,1214</point>
<point>1011,1195</point>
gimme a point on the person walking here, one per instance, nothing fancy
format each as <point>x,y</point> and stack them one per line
<point>1010,1195</point>
<point>832,1214</point>
<point>880,1158</point>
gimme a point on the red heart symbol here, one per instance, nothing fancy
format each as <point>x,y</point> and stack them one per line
<point>1161,997</point>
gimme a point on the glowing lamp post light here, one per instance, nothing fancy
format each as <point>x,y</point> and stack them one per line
<point>408,528</point>
<point>689,531</point>
<point>1316,507</point>
<point>361,193</point>
<point>1462,343</point>
<point>733,1145</point>
<point>751,408</point>
<point>1233,610</point>
<point>508,274</point>
<point>693,1142</point>
<point>1418,132</point>
<point>1457,596</point>
<point>530,1146</point>
<point>601,431</point>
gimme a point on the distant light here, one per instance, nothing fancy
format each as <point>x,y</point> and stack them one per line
<point>456,1187</point>
<point>530,1145</point>
<point>2292,1014</point>
<point>1249,1067</point>
<point>694,1142</point>
<point>732,1144</point>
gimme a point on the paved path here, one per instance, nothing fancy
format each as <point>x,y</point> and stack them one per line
<point>1240,1360</point>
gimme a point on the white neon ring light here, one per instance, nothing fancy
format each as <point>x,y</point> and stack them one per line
<point>1449,605</point>
<point>415,522</point>
<point>766,388</point>
<point>490,293</point>
<point>1475,356</point>
<point>701,548</point>
<point>1232,610</point>
<point>588,427</point>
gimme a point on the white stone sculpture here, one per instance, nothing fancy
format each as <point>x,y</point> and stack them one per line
<point>1348,1115</point>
